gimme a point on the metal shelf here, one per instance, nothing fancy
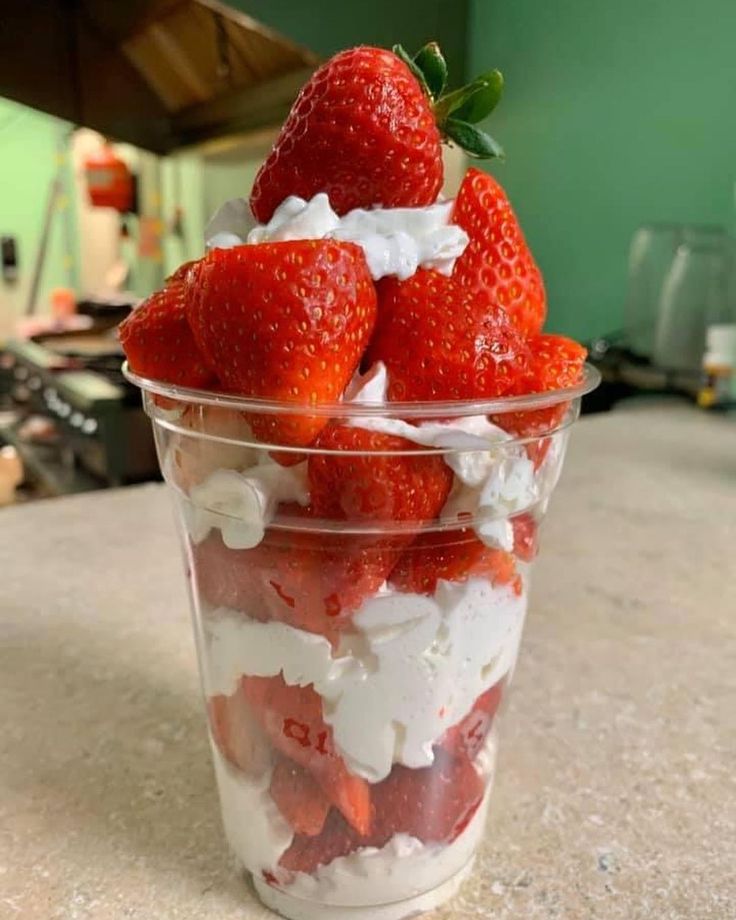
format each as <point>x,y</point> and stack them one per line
<point>58,477</point>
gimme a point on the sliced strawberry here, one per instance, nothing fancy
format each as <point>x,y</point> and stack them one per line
<point>438,341</point>
<point>307,580</point>
<point>454,555</point>
<point>307,852</point>
<point>237,733</point>
<point>468,736</point>
<point>497,267</point>
<point>434,804</point>
<point>298,797</point>
<point>159,344</point>
<point>369,483</point>
<point>292,718</point>
<point>284,321</point>
<point>556,362</point>
<point>525,537</point>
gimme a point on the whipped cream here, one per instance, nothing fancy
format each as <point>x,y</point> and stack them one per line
<point>413,668</point>
<point>229,225</point>
<point>256,830</point>
<point>206,439</point>
<point>396,241</point>
<point>241,504</point>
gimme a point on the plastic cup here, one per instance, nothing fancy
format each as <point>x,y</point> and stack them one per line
<point>355,665</point>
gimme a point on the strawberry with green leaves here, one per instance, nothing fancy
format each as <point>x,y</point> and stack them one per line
<point>284,321</point>
<point>367,130</point>
<point>497,267</point>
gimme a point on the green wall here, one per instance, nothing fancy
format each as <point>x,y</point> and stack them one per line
<point>614,114</point>
<point>327,26</point>
<point>29,142</point>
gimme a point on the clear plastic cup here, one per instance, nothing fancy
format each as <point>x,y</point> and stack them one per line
<point>354,665</point>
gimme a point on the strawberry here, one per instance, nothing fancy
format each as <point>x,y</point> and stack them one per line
<point>366,129</point>
<point>497,266</point>
<point>159,344</point>
<point>292,718</point>
<point>298,797</point>
<point>237,733</point>
<point>439,342</point>
<point>556,362</point>
<point>363,131</point>
<point>304,579</point>
<point>469,734</point>
<point>284,321</point>
<point>451,556</point>
<point>433,804</point>
<point>525,537</point>
<point>336,839</point>
<point>367,485</point>
<point>184,272</point>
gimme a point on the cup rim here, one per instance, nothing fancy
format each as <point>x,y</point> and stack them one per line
<point>426,409</point>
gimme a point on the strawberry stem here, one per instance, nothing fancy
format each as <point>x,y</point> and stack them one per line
<point>458,112</point>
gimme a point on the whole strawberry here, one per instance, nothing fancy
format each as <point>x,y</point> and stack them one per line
<point>362,475</point>
<point>159,344</point>
<point>284,321</point>
<point>556,362</point>
<point>367,129</point>
<point>438,341</point>
<point>497,265</point>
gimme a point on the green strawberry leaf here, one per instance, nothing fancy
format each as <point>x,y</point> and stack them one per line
<point>400,53</point>
<point>489,86</point>
<point>475,143</point>
<point>483,100</point>
<point>434,68</point>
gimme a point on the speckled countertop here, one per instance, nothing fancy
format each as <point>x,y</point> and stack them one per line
<point>617,776</point>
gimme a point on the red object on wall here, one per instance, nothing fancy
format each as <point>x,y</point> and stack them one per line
<point>109,181</point>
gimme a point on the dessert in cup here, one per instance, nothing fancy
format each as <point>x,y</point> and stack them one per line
<point>361,421</point>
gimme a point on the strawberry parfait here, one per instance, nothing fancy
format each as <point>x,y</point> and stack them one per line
<point>362,422</point>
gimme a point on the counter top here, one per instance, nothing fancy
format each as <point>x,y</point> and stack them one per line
<point>616,786</point>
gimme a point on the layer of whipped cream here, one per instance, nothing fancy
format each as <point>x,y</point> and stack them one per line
<point>413,667</point>
<point>241,504</point>
<point>396,241</point>
<point>256,830</point>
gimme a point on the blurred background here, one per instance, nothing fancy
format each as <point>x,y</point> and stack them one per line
<point>123,127</point>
